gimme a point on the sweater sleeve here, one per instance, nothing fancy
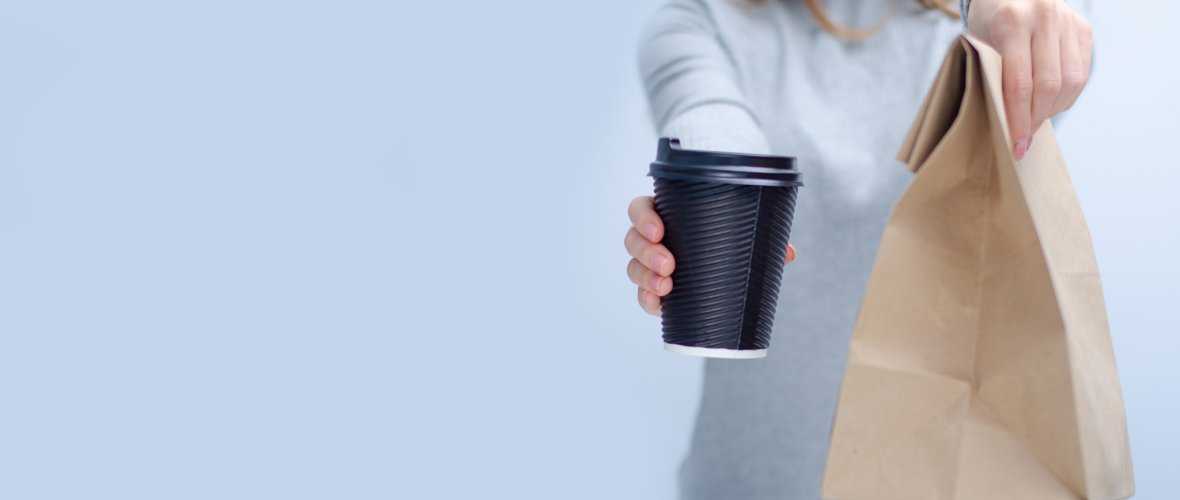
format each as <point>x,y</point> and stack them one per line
<point>692,84</point>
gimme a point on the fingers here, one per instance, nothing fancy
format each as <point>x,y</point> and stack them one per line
<point>1046,59</point>
<point>652,255</point>
<point>1046,51</point>
<point>1012,30</point>
<point>651,264</point>
<point>647,279</point>
<point>649,302</point>
<point>645,219</point>
<point>790,253</point>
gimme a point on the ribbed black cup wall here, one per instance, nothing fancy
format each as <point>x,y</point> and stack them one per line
<point>729,242</point>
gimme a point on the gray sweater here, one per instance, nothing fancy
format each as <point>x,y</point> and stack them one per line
<point>768,80</point>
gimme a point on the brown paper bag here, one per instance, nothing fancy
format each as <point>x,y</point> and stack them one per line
<point>981,365</point>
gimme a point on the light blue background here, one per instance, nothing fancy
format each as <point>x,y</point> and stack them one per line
<point>374,249</point>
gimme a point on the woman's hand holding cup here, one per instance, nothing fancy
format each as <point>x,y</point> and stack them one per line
<point>651,264</point>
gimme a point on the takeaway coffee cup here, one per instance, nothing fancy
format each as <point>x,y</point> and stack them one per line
<point>727,218</point>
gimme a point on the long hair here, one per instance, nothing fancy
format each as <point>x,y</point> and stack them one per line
<point>857,34</point>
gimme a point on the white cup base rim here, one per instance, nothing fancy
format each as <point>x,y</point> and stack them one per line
<point>715,352</point>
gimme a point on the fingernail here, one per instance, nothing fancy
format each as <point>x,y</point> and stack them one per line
<point>1020,148</point>
<point>649,230</point>
<point>655,283</point>
<point>658,263</point>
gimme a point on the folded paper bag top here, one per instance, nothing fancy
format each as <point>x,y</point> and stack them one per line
<point>981,364</point>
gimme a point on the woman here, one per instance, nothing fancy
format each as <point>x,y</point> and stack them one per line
<point>784,77</point>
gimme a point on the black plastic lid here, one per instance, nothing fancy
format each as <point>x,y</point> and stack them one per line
<point>672,162</point>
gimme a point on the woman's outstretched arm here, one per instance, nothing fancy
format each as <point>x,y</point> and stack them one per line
<point>694,93</point>
<point>693,87</point>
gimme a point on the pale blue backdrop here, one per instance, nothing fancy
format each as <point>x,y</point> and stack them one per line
<point>361,249</point>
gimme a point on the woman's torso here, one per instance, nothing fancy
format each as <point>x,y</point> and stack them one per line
<point>842,108</point>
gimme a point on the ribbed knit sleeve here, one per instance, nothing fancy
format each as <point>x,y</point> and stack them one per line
<point>692,85</point>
